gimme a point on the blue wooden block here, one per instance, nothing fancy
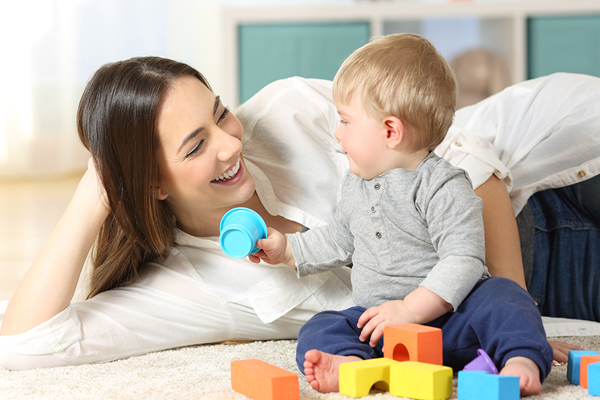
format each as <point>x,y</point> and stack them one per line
<point>477,385</point>
<point>574,364</point>
<point>594,379</point>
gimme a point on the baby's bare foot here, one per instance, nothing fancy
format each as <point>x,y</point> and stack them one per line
<point>321,370</point>
<point>528,373</point>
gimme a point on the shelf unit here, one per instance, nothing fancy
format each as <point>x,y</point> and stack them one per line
<point>503,27</point>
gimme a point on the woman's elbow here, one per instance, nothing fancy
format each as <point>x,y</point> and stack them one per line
<point>22,362</point>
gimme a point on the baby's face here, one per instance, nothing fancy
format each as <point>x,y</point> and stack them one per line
<point>362,139</point>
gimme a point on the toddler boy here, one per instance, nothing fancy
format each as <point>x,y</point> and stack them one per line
<point>411,225</point>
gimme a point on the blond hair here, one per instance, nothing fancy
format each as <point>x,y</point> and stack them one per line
<point>402,75</point>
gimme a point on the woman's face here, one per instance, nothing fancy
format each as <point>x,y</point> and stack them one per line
<point>200,153</point>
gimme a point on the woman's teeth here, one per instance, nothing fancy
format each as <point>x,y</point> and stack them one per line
<point>225,176</point>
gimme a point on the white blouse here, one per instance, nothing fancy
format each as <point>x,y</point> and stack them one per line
<point>546,131</point>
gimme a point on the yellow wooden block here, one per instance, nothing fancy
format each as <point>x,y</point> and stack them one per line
<point>357,378</point>
<point>420,380</point>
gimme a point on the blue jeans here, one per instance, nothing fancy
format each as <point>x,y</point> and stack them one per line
<point>566,267</point>
<point>497,316</point>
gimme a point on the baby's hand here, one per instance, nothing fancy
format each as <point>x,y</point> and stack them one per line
<point>375,319</point>
<point>274,249</point>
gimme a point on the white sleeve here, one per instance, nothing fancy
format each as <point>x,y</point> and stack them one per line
<point>51,336</point>
<point>475,155</point>
<point>164,309</point>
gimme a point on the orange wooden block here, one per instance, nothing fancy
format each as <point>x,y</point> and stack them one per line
<point>413,342</point>
<point>584,361</point>
<point>263,381</point>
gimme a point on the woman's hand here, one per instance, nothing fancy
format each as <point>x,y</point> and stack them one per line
<point>91,180</point>
<point>561,350</point>
<point>275,249</point>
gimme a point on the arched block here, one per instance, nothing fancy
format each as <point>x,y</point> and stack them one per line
<point>413,342</point>
<point>356,378</point>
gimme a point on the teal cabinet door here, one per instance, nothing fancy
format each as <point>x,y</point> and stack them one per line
<point>268,52</point>
<point>564,44</point>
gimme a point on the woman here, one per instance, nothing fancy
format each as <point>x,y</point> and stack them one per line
<point>170,157</point>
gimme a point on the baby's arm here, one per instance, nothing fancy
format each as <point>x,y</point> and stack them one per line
<point>419,307</point>
<point>275,249</point>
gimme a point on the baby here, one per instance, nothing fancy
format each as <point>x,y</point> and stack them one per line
<point>411,225</point>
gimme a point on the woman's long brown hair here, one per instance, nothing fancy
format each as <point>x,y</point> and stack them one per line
<point>116,121</point>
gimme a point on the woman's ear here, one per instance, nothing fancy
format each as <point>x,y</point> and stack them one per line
<point>394,131</point>
<point>159,194</point>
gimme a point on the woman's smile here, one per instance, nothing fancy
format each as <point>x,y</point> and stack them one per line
<point>231,176</point>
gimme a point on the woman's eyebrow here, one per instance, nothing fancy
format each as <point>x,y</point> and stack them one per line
<point>216,106</point>
<point>189,137</point>
<point>197,131</point>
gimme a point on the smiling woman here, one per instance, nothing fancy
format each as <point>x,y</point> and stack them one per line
<point>197,168</point>
<point>166,165</point>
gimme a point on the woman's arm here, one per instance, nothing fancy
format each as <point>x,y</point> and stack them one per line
<point>49,284</point>
<point>502,245</point>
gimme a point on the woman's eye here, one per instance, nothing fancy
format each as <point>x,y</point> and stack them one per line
<point>195,149</point>
<point>223,115</point>
<point>343,122</point>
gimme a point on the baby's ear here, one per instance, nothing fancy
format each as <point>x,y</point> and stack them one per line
<point>394,131</point>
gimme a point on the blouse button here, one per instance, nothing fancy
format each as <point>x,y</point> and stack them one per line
<point>377,186</point>
<point>581,174</point>
<point>378,235</point>
<point>372,209</point>
<point>458,144</point>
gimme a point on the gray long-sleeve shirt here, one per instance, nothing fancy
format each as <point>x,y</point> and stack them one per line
<point>402,230</point>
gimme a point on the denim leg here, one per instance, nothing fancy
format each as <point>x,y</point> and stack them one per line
<point>499,317</point>
<point>566,269</point>
<point>335,332</point>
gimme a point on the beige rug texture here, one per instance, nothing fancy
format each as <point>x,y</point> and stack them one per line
<point>203,372</point>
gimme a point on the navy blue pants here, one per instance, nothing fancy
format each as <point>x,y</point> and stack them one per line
<point>566,258</point>
<point>498,316</point>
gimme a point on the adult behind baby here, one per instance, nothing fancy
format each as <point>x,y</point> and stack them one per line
<point>412,226</point>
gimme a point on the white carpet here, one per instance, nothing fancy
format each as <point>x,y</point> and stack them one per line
<point>202,372</point>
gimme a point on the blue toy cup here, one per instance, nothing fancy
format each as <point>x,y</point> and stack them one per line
<point>240,229</point>
<point>483,362</point>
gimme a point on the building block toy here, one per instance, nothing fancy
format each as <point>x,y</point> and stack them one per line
<point>262,381</point>
<point>477,385</point>
<point>594,379</point>
<point>413,342</point>
<point>421,381</point>
<point>573,365</point>
<point>482,362</point>
<point>584,362</point>
<point>356,378</point>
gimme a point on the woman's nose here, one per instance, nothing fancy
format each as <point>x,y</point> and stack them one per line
<point>230,147</point>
